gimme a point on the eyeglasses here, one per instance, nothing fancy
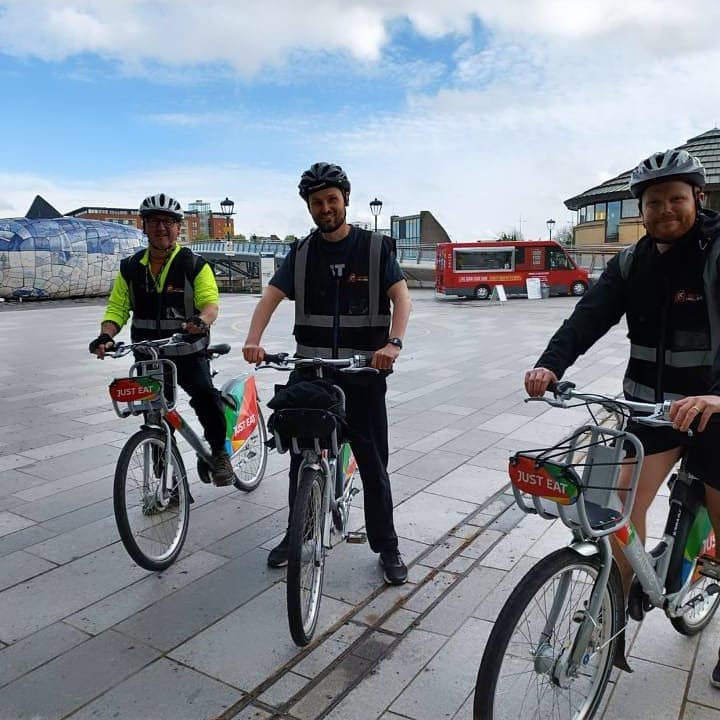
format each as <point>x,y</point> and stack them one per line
<point>166,222</point>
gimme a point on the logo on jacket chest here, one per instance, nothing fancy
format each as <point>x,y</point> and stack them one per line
<point>355,278</point>
<point>687,296</point>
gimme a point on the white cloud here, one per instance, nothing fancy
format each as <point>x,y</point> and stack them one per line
<point>560,96</point>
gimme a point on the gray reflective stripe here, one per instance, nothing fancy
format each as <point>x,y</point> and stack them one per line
<point>301,318</point>
<point>676,358</point>
<point>710,280</point>
<point>310,352</point>
<point>625,261</point>
<point>644,392</point>
<point>141,324</point>
<point>376,241</point>
<point>373,318</point>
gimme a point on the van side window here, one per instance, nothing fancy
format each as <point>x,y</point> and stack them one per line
<point>519,256</point>
<point>557,260</point>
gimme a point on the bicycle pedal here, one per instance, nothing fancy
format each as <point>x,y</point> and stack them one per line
<point>356,538</point>
<point>709,567</point>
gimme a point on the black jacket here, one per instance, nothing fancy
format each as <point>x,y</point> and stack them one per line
<point>670,300</point>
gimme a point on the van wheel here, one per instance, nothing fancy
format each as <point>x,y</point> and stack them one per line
<point>578,288</point>
<point>482,292</point>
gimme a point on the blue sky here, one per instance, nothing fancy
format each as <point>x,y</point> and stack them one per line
<point>489,114</point>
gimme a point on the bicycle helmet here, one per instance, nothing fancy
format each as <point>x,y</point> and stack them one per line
<point>161,203</point>
<point>323,175</point>
<point>668,165</point>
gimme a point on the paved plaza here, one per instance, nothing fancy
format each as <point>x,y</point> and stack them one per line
<point>86,634</point>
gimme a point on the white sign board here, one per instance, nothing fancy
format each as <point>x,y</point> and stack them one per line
<point>229,247</point>
<point>267,269</point>
<point>534,289</point>
<point>498,293</point>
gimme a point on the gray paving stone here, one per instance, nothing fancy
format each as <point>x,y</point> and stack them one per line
<point>20,566</point>
<point>73,679</point>
<point>322,656</point>
<point>50,597</point>
<point>152,587</point>
<point>32,652</point>
<point>425,517</point>
<point>281,692</point>
<point>444,686</point>
<point>41,489</point>
<point>250,537</point>
<point>23,538</point>
<point>68,501</point>
<point>202,603</point>
<point>374,695</point>
<point>162,691</point>
<point>11,522</point>
<point>74,544</point>
<point>66,447</point>
<point>469,483</point>
<point>15,481</point>
<point>80,517</point>
<point>260,625</point>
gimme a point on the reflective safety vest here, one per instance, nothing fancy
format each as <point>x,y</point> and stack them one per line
<point>673,316</point>
<point>342,310</point>
<point>158,312</point>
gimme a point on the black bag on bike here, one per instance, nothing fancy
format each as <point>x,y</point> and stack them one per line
<point>307,410</point>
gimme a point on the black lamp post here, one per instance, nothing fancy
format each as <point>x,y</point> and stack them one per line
<point>226,208</point>
<point>550,225</point>
<point>375,208</point>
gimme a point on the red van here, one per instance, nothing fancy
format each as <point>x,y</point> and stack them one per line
<point>474,269</point>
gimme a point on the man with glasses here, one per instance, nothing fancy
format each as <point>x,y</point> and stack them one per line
<point>169,289</point>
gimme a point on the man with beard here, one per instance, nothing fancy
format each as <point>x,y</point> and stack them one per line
<point>350,298</point>
<point>667,287</point>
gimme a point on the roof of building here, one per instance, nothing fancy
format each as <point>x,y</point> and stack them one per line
<point>705,146</point>
<point>41,209</point>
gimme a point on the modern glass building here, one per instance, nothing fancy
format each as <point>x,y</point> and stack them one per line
<point>412,231</point>
<point>607,214</point>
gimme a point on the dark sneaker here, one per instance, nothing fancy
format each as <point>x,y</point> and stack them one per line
<point>715,677</point>
<point>278,556</point>
<point>223,473</point>
<point>394,570</point>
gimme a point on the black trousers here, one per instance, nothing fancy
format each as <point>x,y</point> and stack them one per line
<point>193,375</point>
<point>368,435</point>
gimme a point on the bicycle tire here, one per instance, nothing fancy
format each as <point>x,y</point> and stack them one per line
<point>152,534</point>
<point>250,460</point>
<point>306,556</point>
<point>696,619</point>
<point>526,680</point>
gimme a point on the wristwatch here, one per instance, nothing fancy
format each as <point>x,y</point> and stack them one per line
<point>397,342</point>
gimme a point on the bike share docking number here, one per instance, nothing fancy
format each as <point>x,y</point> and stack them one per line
<point>134,389</point>
<point>546,480</point>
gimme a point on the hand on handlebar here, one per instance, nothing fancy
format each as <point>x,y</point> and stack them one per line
<point>538,380</point>
<point>700,408</point>
<point>253,353</point>
<point>385,357</point>
<point>196,326</point>
<point>101,344</point>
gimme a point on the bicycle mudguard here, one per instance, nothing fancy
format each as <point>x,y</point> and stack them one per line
<point>619,659</point>
<point>241,415</point>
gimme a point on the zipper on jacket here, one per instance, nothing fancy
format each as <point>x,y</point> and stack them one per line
<point>660,358</point>
<point>336,318</point>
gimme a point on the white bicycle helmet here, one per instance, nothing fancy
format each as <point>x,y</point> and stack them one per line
<point>161,203</point>
<point>668,165</point>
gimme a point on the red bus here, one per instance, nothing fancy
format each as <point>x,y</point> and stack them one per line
<point>474,269</point>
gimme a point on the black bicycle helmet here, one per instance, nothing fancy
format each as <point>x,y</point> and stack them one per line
<point>668,165</point>
<point>323,175</point>
<point>161,203</point>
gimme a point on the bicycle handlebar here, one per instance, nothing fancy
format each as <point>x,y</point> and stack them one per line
<point>645,413</point>
<point>177,340</point>
<point>284,361</point>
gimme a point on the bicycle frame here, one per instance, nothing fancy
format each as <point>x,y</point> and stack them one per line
<point>650,567</point>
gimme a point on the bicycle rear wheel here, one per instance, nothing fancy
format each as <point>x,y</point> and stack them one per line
<point>152,528</point>
<point>517,675</point>
<point>306,557</point>
<point>250,460</point>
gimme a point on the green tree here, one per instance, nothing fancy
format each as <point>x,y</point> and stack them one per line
<point>566,235</point>
<point>510,235</point>
<point>289,239</point>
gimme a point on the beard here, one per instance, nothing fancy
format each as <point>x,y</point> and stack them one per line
<point>331,224</point>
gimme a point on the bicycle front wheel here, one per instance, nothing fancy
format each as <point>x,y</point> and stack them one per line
<point>152,523</point>
<point>521,673</point>
<point>249,461</point>
<point>306,557</point>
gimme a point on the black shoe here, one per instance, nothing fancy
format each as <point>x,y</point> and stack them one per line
<point>278,556</point>
<point>223,473</point>
<point>394,570</point>
<point>715,677</point>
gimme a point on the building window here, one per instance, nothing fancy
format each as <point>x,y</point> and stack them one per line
<point>630,208</point>
<point>586,214</point>
<point>612,225</point>
<point>600,211</point>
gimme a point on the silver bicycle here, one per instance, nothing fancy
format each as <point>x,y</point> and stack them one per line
<point>557,637</point>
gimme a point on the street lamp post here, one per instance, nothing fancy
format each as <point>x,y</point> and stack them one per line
<point>375,208</point>
<point>226,208</point>
<point>550,225</point>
